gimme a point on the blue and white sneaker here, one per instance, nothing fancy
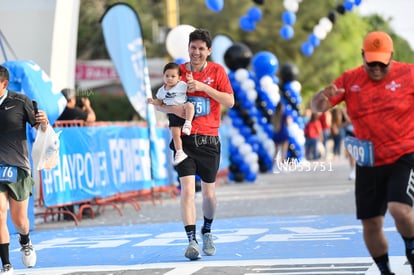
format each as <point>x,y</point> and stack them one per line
<point>209,248</point>
<point>193,251</point>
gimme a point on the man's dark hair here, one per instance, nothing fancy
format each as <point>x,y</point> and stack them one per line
<point>4,73</point>
<point>201,34</point>
<point>172,65</point>
<point>68,93</point>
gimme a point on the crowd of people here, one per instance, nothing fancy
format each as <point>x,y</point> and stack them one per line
<point>324,132</point>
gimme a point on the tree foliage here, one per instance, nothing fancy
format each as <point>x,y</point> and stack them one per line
<point>340,50</point>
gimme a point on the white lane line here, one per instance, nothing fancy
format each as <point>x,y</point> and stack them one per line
<point>398,265</point>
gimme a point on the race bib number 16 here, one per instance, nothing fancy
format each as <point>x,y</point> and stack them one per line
<point>361,150</point>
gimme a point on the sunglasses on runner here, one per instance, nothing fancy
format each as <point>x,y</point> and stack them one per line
<point>380,64</point>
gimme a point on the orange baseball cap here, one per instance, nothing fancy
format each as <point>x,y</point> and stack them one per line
<point>378,47</point>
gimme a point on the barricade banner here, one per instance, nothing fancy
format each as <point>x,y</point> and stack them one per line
<point>125,44</point>
<point>103,161</point>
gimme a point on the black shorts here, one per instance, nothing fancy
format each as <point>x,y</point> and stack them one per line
<point>203,157</point>
<point>376,186</point>
<point>175,121</point>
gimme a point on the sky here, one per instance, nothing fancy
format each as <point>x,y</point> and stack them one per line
<point>399,11</point>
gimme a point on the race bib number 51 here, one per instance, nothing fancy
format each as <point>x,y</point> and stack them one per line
<point>201,105</point>
<point>8,173</point>
<point>361,150</point>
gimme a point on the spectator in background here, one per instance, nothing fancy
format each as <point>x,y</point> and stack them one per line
<point>313,135</point>
<point>73,112</point>
<point>280,121</point>
<point>307,113</point>
<point>337,132</point>
<point>349,131</point>
<point>326,121</point>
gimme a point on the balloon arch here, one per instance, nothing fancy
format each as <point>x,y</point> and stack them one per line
<point>259,91</point>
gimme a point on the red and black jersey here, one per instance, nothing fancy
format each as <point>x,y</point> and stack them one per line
<point>15,112</point>
<point>216,77</point>
<point>381,111</point>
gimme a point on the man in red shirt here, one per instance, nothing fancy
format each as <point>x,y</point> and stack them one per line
<point>208,88</point>
<point>379,96</point>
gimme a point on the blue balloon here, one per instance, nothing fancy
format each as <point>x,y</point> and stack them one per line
<point>215,5</point>
<point>232,113</point>
<point>246,24</point>
<point>250,177</point>
<point>233,150</point>
<point>265,63</point>
<point>255,14</point>
<point>307,49</point>
<point>232,77</point>
<point>240,94</point>
<point>179,60</point>
<point>268,129</point>
<point>314,40</point>
<point>237,159</point>
<point>357,2</point>
<point>247,104</point>
<point>235,84</point>
<point>252,139</point>
<point>245,131</point>
<point>291,88</point>
<point>288,17</point>
<point>287,32</point>
<point>254,112</point>
<point>237,122</point>
<point>348,4</point>
<point>244,168</point>
<point>275,79</point>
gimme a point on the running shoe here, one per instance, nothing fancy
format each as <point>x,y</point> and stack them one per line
<point>208,245</point>
<point>28,254</point>
<point>7,269</point>
<point>193,251</point>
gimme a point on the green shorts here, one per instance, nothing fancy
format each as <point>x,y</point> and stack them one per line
<point>21,189</point>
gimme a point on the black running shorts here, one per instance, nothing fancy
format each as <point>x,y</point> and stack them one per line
<point>203,157</point>
<point>376,186</point>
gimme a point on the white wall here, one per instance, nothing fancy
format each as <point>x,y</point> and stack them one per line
<point>44,31</point>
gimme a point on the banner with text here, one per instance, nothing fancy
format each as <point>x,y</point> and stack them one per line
<point>103,161</point>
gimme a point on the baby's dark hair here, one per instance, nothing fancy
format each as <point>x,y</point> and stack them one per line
<point>172,65</point>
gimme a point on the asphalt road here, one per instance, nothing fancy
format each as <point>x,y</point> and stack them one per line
<point>298,221</point>
<point>293,192</point>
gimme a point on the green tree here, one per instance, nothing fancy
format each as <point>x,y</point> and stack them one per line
<point>338,52</point>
